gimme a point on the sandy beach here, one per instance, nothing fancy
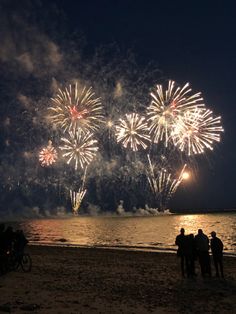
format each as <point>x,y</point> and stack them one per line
<point>80,280</point>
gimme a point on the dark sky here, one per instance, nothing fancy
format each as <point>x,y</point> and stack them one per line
<point>188,41</point>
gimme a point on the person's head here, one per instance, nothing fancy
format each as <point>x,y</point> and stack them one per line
<point>182,230</point>
<point>213,234</point>
<point>200,231</point>
<point>191,236</point>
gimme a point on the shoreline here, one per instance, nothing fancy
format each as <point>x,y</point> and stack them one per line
<point>119,248</point>
<point>93,280</point>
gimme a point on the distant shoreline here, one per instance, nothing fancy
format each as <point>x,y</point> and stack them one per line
<point>126,214</point>
<point>203,211</point>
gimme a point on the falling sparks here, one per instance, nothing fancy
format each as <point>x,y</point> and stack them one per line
<point>77,197</point>
<point>133,132</point>
<point>162,184</point>
<point>74,109</point>
<point>48,155</point>
<point>79,147</point>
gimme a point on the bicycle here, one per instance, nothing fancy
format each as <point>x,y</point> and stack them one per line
<point>19,260</point>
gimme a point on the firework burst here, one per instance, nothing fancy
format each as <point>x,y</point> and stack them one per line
<point>74,109</point>
<point>133,131</point>
<point>165,108</point>
<point>197,130</point>
<point>79,148</point>
<point>48,155</point>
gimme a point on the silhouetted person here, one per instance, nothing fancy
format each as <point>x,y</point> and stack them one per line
<point>8,239</point>
<point>217,253</point>
<point>190,255</point>
<point>20,242</point>
<point>202,248</point>
<point>180,241</point>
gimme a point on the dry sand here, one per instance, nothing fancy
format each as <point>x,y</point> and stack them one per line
<point>72,280</point>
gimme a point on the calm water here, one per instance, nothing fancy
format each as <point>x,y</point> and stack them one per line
<point>150,233</point>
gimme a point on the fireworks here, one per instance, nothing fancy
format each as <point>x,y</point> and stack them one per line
<point>133,131</point>
<point>162,184</point>
<point>48,155</point>
<point>175,117</point>
<point>185,175</point>
<point>74,109</point>
<point>77,197</point>
<point>165,108</point>
<point>197,130</point>
<point>79,148</point>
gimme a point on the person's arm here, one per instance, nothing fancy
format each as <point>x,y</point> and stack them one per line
<point>177,241</point>
<point>221,245</point>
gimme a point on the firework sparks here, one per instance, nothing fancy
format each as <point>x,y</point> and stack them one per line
<point>48,155</point>
<point>74,108</point>
<point>77,197</point>
<point>79,148</point>
<point>165,108</point>
<point>196,130</point>
<point>133,131</point>
<point>162,184</point>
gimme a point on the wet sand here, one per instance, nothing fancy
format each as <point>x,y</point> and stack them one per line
<point>76,280</point>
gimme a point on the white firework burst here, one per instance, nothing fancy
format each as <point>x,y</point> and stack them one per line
<point>166,106</point>
<point>133,131</point>
<point>197,130</point>
<point>79,147</point>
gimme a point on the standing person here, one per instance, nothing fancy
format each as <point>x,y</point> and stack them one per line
<point>180,241</point>
<point>217,253</point>
<point>190,255</point>
<point>202,249</point>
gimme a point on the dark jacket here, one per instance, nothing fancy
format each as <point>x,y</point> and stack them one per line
<point>202,242</point>
<point>216,246</point>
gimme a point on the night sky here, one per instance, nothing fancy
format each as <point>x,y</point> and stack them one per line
<point>186,41</point>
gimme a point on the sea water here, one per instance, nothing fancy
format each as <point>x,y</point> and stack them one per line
<point>141,233</point>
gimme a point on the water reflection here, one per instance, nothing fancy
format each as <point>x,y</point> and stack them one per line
<point>149,232</point>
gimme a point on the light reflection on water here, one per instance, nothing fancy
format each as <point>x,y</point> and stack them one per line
<point>157,232</point>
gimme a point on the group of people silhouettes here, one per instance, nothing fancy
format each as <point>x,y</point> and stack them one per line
<point>191,248</point>
<point>10,241</point>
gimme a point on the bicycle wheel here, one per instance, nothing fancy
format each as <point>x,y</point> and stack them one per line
<point>26,263</point>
